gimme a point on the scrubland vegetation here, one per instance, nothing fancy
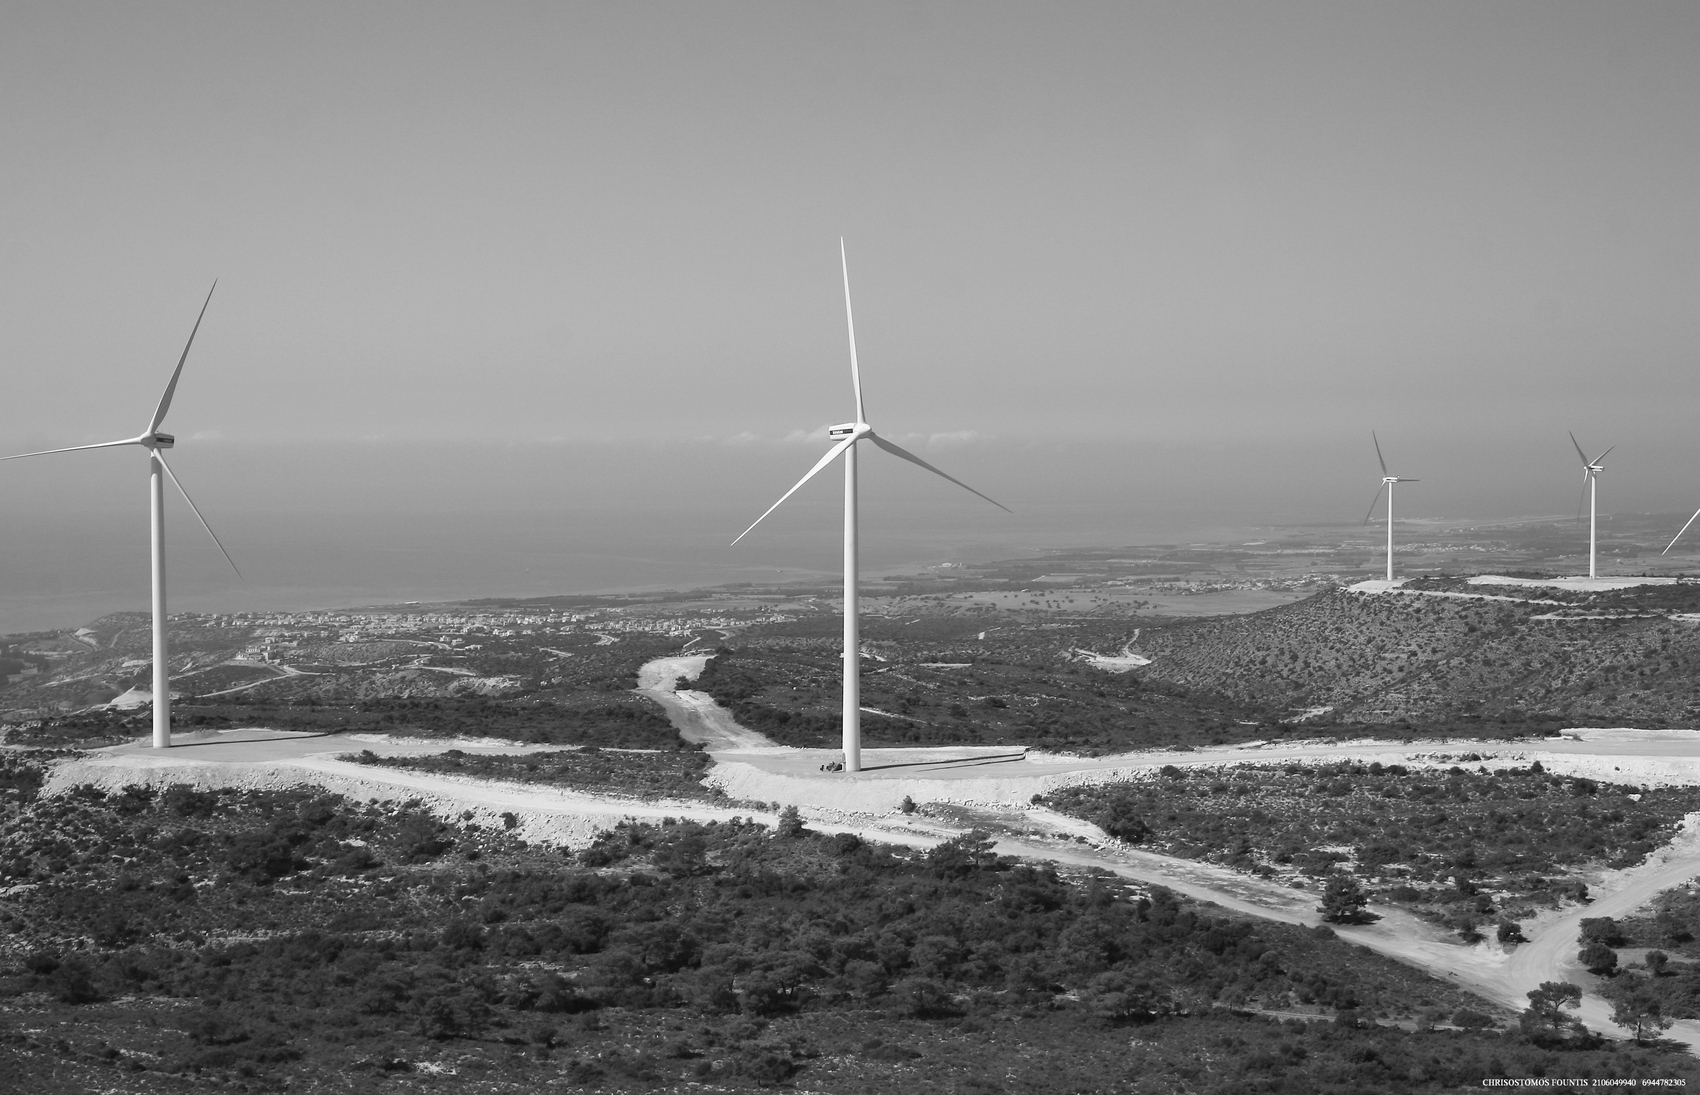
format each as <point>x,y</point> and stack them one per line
<point>789,691</point>
<point>1392,665</point>
<point>614,720</point>
<point>178,940</point>
<point>675,773</point>
<point>1473,849</point>
<point>1390,657</point>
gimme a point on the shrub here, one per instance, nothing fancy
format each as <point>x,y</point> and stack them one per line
<point>1470,1019</point>
<point>72,982</point>
<point>1601,929</point>
<point>1597,958</point>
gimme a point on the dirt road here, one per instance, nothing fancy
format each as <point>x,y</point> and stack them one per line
<point>1550,955</point>
<point>695,714</point>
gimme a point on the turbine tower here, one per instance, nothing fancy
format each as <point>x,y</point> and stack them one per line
<point>1387,482</point>
<point>1590,486</point>
<point>156,443</point>
<point>847,434</point>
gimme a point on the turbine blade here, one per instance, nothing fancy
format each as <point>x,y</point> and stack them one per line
<point>1602,456</point>
<point>1678,536</point>
<point>1582,502</point>
<point>850,322</point>
<point>171,388</point>
<point>1378,458</point>
<point>831,455</point>
<point>1410,480</point>
<point>179,485</point>
<point>1579,451</point>
<point>1373,502</point>
<point>74,448</point>
<point>896,450</point>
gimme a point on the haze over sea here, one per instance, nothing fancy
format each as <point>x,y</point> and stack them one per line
<point>386,522</point>
<point>552,301</point>
<point>427,529</point>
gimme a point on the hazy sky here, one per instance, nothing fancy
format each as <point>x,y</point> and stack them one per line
<point>1121,266</point>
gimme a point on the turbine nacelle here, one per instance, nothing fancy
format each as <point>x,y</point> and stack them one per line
<point>849,429</point>
<point>157,440</point>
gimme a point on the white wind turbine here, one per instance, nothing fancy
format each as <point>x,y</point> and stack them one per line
<point>156,442</point>
<point>848,434</point>
<point>1590,486</point>
<point>1387,483</point>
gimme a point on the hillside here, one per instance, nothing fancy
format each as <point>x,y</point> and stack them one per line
<point>1626,657</point>
<point>285,940</point>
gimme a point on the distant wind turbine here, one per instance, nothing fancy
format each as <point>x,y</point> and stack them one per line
<point>156,443</point>
<point>848,434</point>
<point>1387,484</point>
<point>1590,488</point>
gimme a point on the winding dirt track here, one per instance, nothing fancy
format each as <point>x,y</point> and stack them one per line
<point>1501,975</point>
<point>275,758</point>
<point>695,714</point>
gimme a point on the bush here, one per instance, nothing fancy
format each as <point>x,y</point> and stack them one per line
<point>1597,958</point>
<point>1118,819</point>
<point>1601,929</point>
<point>72,982</point>
<point>463,935</point>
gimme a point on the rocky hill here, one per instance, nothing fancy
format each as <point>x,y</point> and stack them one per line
<point>1443,649</point>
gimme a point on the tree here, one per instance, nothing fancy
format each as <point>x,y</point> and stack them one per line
<point>1510,932</point>
<point>1545,1016</point>
<point>961,856</point>
<point>1343,901</point>
<point>1601,929</point>
<point>1641,1013</point>
<point>1597,958</point>
<point>790,822</point>
<point>1656,962</point>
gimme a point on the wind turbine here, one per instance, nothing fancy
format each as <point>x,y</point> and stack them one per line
<point>847,434</point>
<point>156,443</point>
<point>1590,486</point>
<point>1387,482</point>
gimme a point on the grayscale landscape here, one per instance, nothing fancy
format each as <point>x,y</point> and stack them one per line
<point>390,702</point>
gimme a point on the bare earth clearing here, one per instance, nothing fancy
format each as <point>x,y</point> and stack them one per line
<point>975,787</point>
